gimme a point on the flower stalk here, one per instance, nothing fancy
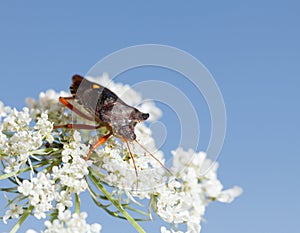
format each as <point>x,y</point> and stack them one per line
<point>21,220</point>
<point>116,203</point>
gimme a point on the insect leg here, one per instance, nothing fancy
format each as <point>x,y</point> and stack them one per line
<point>64,101</point>
<point>100,142</point>
<point>77,126</point>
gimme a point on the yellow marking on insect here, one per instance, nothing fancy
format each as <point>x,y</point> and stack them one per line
<point>95,86</point>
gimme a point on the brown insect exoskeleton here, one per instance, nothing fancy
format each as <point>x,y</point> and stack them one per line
<point>106,109</point>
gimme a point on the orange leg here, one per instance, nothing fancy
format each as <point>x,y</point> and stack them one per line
<point>77,126</point>
<point>100,142</point>
<point>64,101</point>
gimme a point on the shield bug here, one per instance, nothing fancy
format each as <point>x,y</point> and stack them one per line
<point>106,109</point>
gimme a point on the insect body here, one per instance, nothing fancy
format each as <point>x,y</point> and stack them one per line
<point>106,109</point>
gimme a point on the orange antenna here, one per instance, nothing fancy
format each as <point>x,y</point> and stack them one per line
<point>145,149</point>
<point>134,165</point>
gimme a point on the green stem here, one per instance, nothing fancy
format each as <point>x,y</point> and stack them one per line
<point>77,204</point>
<point>21,220</point>
<point>116,203</point>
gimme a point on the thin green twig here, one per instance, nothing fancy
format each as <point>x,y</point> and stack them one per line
<point>21,220</point>
<point>77,204</point>
<point>115,203</point>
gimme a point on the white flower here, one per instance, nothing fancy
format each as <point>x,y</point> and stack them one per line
<point>48,101</point>
<point>17,120</point>
<point>122,175</point>
<point>45,127</point>
<point>71,223</point>
<point>55,227</point>
<point>12,166</point>
<point>178,198</point>
<point>119,169</point>
<point>41,192</point>
<point>78,224</point>
<point>4,110</point>
<point>164,230</point>
<point>14,212</point>
<point>185,197</point>
<point>64,216</point>
<point>213,188</point>
<point>229,195</point>
<point>31,231</point>
<point>3,139</point>
<point>25,188</point>
<point>64,200</point>
<point>74,168</point>
<point>22,141</point>
<point>70,177</point>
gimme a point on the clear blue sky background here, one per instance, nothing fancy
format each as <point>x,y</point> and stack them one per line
<point>252,49</point>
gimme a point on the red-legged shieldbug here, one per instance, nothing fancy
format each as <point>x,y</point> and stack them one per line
<point>106,109</point>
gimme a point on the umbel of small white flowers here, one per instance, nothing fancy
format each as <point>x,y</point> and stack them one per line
<point>48,172</point>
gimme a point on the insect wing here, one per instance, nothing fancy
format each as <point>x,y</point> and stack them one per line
<point>93,97</point>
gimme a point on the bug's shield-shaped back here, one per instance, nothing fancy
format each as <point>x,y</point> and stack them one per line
<point>107,108</point>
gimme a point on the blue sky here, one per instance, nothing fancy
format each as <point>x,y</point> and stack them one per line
<point>251,48</point>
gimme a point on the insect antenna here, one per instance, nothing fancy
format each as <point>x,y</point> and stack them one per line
<point>134,165</point>
<point>145,149</point>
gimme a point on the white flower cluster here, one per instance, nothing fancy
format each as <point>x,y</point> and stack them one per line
<point>165,230</point>
<point>179,197</point>
<point>74,168</point>
<point>185,197</point>
<point>48,102</point>
<point>121,174</point>
<point>18,139</point>
<point>182,199</point>
<point>70,223</point>
<point>64,180</point>
<point>40,192</point>
<point>14,212</point>
<point>21,140</point>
